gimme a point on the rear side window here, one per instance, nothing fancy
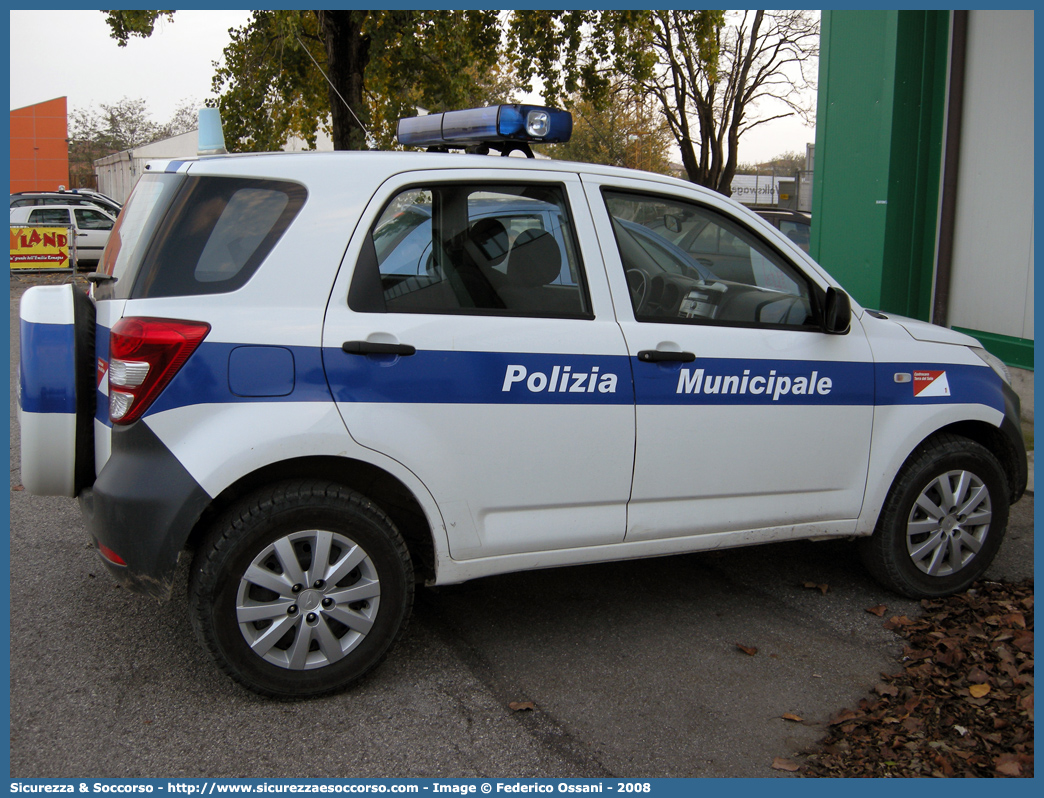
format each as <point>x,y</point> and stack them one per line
<point>504,249</point>
<point>45,216</point>
<point>215,235</point>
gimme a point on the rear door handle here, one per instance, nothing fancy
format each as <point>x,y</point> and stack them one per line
<point>372,348</point>
<point>660,356</point>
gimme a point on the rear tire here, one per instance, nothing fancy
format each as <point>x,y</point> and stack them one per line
<point>943,521</point>
<point>301,589</point>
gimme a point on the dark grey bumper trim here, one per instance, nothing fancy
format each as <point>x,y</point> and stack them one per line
<point>143,506</point>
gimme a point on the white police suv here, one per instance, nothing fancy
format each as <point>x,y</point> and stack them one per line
<point>331,376</point>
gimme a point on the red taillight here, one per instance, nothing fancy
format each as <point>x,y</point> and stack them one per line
<point>110,555</point>
<point>144,355</point>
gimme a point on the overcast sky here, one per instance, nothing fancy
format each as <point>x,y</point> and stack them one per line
<point>70,54</point>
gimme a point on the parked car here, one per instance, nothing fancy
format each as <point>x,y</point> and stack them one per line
<point>330,376</point>
<point>90,225</point>
<point>76,196</point>
<point>795,225</point>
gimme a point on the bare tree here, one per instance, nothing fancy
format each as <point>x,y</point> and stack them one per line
<point>762,55</point>
<point>111,127</point>
<point>184,119</point>
<point>630,132</point>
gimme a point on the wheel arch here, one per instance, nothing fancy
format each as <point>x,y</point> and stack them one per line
<point>906,435</point>
<point>383,488</point>
<point>887,553</point>
<point>1001,444</point>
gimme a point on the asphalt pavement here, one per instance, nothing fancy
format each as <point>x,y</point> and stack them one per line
<point>633,669</point>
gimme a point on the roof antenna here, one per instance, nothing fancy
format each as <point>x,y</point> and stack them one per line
<point>357,120</point>
<point>211,137</point>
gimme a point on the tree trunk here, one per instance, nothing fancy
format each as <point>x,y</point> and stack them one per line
<point>347,56</point>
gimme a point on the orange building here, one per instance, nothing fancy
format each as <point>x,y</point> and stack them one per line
<point>40,147</point>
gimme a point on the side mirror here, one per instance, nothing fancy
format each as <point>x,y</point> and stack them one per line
<point>672,223</point>
<point>837,315</point>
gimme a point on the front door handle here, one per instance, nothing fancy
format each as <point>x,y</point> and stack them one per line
<point>660,356</point>
<point>373,348</point>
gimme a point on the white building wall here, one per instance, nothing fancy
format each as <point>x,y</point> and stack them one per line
<point>992,283</point>
<point>117,173</point>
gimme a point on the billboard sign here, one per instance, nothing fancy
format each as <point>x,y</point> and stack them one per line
<point>34,247</point>
<point>757,189</point>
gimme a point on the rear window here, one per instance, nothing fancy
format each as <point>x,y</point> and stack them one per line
<point>134,227</point>
<point>216,234</point>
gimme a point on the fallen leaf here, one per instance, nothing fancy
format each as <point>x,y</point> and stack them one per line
<point>1008,765</point>
<point>879,610</point>
<point>964,706</point>
<point>18,487</point>
<point>522,706</point>
<point>897,621</point>
<point>784,764</point>
<point>791,716</point>
<point>886,689</point>
<point>845,714</point>
<point>750,651</point>
<point>977,676</point>
<point>813,586</point>
<point>1012,619</point>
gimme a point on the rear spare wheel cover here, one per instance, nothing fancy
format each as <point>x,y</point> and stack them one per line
<point>55,405</point>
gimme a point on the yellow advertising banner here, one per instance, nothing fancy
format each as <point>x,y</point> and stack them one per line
<point>40,248</point>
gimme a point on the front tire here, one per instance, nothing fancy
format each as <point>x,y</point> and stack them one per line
<point>943,521</point>
<point>301,589</point>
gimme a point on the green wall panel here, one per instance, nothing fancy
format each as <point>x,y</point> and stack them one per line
<point>1016,352</point>
<point>853,143</point>
<point>882,89</point>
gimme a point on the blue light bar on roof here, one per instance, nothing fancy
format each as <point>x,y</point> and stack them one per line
<point>496,123</point>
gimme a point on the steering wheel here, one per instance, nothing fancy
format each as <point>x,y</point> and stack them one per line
<point>638,284</point>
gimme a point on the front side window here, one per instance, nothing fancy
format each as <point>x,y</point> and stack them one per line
<point>459,249</point>
<point>687,263</point>
<point>86,219</point>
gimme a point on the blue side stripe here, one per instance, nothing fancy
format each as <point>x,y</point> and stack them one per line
<point>453,377</point>
<point>481,378</point>
<point>47,374</point>
<point>101,352</point>
<point>204,379</point>
<point>733,381</point>
<point>977,385</point>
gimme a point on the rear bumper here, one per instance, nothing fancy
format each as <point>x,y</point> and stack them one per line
<point>142,507</point>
